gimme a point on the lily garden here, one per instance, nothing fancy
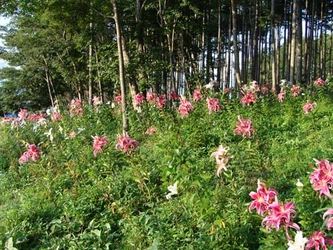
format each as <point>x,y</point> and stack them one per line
<point>207,170</point>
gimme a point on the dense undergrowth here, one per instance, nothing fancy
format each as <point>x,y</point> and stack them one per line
<point>71,199</point>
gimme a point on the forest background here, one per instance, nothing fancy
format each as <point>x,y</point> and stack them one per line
<point>58,50</point>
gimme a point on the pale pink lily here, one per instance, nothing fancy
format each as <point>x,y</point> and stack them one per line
<point>139,99</point>
<point>281,95</point>
<point>196,95</point>
<point>213,105</point>
<point>317,240</point>
<point>243,127</point>
<point>295,90</point>
<point>329,223</point>
<point>248,98</point>
<point>319,82</point>
<point>150,97</point>
<point>221,158</point>
<point>126,144</point>
<point>32,154</point>
<point>160,101</point>
<point>174,96</point>
<point>98,143</point>
<point>309,106</point>
<point>185,107</point>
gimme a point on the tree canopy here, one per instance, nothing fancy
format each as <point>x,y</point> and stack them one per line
<point>58,50</point>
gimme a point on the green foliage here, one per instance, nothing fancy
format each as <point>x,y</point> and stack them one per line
<point>70,199</point>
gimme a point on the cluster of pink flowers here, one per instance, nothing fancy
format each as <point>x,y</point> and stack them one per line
<point>98,143</point>
<point>150,97</point>
<point>248,98</point>
<point>221,158</point>
<point>213,105</point>
<point>56,116</point>
<point>160,101</point>
<point>23,114</point>
<point>322,178</point>
<point>243,127</point>
<point>174,96</point>
<point>319,82</point>
<point>117,99</point>
<point>97,100</point>
<point>318,239</point>
<point>276,213</point>
<point>151,130</point>
<point>126,144</point>
<point>36,117</point>
<point>76,107</point>
<point>196,95</point>
<point>185,107</point>
<point>249,93</point>
<point>264,89</point>
<point>309,107</point>
<point>32,154</point>
<point>295,90</point>
<point>281,95</point>
<point>139,98</point>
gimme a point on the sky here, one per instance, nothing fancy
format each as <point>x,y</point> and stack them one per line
<point>3,21</point>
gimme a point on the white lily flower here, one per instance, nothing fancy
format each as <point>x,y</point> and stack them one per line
<point>299,242</point>
<point>173,190</point>
<point>299,184</point>
<point>49,134</point>
<point>60,129</point>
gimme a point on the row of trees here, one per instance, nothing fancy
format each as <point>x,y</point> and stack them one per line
<point>60,49</point>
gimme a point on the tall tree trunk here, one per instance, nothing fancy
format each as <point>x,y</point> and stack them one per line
<point>299,41</point>
<point>255,74</point>
<point>235,44</point>
<point>228,67</point>
<point>274,52</point>
<point>219,43</point>
<point>277,54</point>
<point>293,43</point>
<point>49,82</point>
<point>121,64</point>
<point>90,82</point>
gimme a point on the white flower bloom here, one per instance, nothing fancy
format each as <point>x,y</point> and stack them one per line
<point>173,190</point>
<point>299,184</point>
<point>299,242</point>
<point>49,134</point>
<point>60,129</point>
<point>79,130</point>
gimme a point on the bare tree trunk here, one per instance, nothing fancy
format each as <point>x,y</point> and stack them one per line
<point>285,66</point>
<point>277,54</point>
<point>219,43</point>
<point>100,88</point>
<point>90,82</point>
<point>255,75</point>
<point>299,41</point>
<point>235,44</point>
<point>121,65</point>
<point>227,75</point>
<point>49,82</point>
<point>293,43</point>
<point>274,52</point>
